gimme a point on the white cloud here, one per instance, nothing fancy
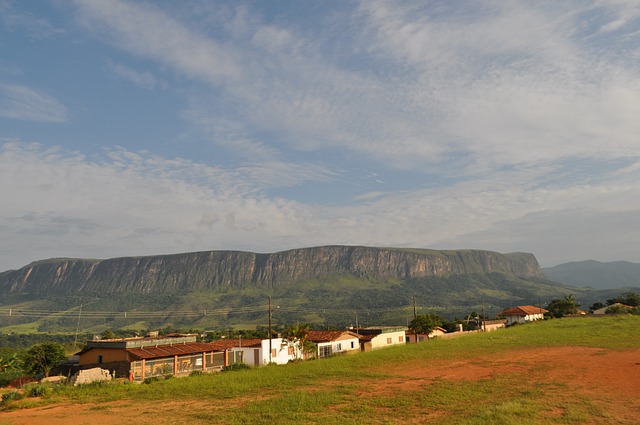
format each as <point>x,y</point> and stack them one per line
<point>59,203</point>
<point>144,79</point>
<point>146,31</point>
<point>23,103</point>
<point>505,114</point>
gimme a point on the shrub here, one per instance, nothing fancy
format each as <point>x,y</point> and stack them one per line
<point>13,395</point>
<point>235,366</point>
<point>152,379</point>
<point>37,390</point>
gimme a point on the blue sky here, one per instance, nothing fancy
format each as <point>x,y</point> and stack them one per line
<point>153,127</point>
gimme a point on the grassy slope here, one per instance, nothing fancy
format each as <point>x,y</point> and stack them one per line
<point>326,301</point>
<point>330,391</point>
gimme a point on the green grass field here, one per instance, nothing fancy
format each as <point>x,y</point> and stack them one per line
<point>359,389</point>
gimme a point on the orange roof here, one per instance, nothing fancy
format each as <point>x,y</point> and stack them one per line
<point>326,336</point>
<point>225,344</point>
<point>523,310</point>
<point>159,351</point>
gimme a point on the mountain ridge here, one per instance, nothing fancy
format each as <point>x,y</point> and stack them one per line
<point>596,274</point>
<point>226,269</point>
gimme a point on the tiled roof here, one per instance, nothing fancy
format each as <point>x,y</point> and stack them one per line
<point>225,344</point>
<point>523,310</point>
<point>159,351</point>
<point>326,336</point>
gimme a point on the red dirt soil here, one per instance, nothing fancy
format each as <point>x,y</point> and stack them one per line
<point>608,379</point>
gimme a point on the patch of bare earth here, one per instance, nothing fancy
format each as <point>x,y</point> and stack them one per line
<point>608,379</point>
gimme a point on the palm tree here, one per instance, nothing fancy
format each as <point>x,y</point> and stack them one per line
<point>296,335</point>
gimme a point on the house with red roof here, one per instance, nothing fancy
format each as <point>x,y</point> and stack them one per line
<point>329,343</point>
<point>140,358</point>
<point>523,314</point>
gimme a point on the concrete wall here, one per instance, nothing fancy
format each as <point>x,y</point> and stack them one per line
<point>387,339</point>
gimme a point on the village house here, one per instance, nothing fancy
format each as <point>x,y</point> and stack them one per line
<point>329,343</point>
<point>255,352</point>
<point>375,337</point>
<point>523,314</point>
<point>411,337</point>
<point>140,358</point>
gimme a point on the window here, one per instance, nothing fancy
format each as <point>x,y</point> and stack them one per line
<point>236,357</point>
<point>353,344</point>
<point>339,347</point>
<point>400,339</point>
<point>325,351</point>
<point>273,352</point>
<point>389,341</point>
<point>100,359</point>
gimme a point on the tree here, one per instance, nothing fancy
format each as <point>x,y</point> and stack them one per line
<point>617,309</point>
<point>596,306</point>
<point>108,334</point>
<point>628,298</point>
<point>296,335</point>
<point>8,362</point>
<point>424,323</point>
<point>41,358</point>
<point>563,307</point>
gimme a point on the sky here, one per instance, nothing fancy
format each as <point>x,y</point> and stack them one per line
<point>133,128</point>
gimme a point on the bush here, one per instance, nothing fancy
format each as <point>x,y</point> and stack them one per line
<point>152,379</point>
<point>235,366</point>
<point>37,390</point>
<point>13,395</point>
<point>7,377</point>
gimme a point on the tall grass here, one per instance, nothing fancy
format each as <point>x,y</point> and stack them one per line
<point>341,390</point>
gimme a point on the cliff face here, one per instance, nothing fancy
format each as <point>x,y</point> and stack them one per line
<point>182,273</point>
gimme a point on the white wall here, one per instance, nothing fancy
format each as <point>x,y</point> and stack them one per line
<point>382,340</point>
<point>341,346</point>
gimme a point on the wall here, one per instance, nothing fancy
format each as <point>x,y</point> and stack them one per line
<point>381,340</point>
<point>108,355</point>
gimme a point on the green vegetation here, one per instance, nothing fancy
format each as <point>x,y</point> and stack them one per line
<point>424,323</point>
<point>41,358</point>
<point>345,389</point>
<point>563,307</point>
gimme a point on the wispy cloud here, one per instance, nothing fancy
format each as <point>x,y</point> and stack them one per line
<point>35,27</point>
<point>469,121</point>
<point>144,79</point>
<point>24,103</point>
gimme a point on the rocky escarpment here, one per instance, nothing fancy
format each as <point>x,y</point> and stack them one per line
<point>187,272</point>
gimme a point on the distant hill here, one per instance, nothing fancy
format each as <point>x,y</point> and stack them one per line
<point>325,286</point>
<point>595,274</point>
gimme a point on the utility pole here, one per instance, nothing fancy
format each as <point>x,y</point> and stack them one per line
<point>270,334</point>
<point>484,325</point>
<point>75,344</point>
<point>415,315</point>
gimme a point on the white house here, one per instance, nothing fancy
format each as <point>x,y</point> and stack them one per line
<point>334,342</point>
<point>523,314</point>
<point>376,337</point>
<point>255,352</point>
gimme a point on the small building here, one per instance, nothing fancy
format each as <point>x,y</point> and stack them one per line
<point>255,352</point>
<point>141,358</point>
<point>523,314</point>
<point>411,337</point>
<point>330,343</point>
<point>375,337</point>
